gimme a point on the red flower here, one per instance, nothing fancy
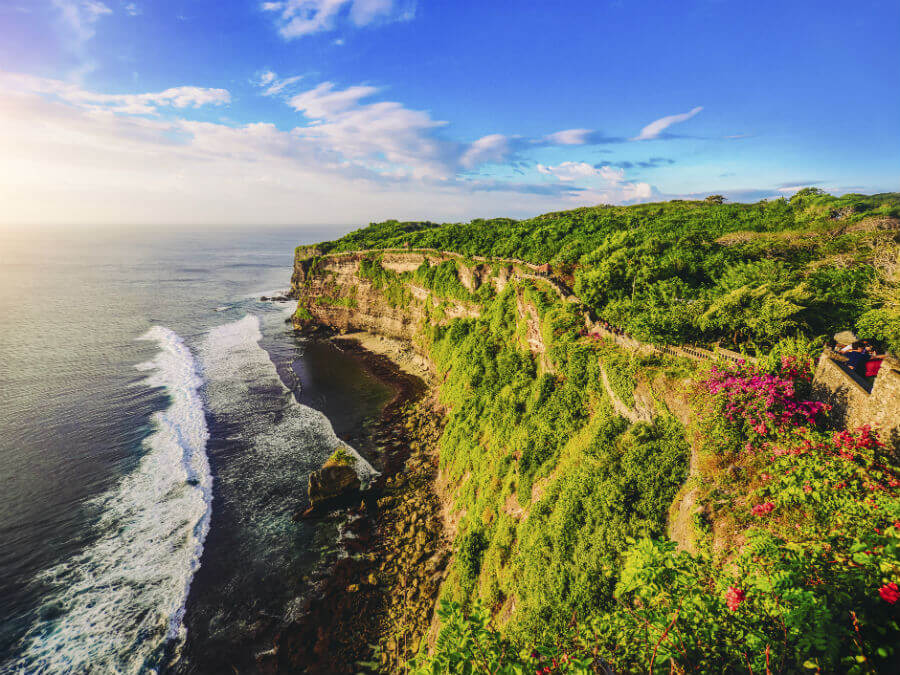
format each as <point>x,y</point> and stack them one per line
<point>889,593</point>
<point>734,597</point>
<point>762,509</point>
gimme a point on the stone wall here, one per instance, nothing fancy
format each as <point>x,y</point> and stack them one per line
<point>853,405</point>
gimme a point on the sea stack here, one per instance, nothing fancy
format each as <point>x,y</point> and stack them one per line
<point>336,478</point>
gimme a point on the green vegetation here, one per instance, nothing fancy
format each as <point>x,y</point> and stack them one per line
<point>391,286</point>
<point>803,575</point>
<point>301,313</point>
<point>443,279</point>
<point>341,457</point>
<point>547,443</point>
<point>340,301</point>
<point>562,561</point>
<point>703,271</point>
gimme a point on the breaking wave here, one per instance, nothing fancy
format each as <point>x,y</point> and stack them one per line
<point>115,606</point>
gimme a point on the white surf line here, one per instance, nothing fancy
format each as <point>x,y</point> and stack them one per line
<point>117,602</point>
<point>234,362</point>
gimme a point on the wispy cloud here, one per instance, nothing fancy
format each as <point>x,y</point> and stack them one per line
<point>604,184</point>
<point>570,171</point>
<point>580,137</point>
<point>132,9</point>
<point>797,184</point>
<point>493,148</point>
<point>139,169</point>
<point>384,136</point>
<point>652,163</point>
<point>298,18</point>
<point>654,129</point>
<point>271,84</point>
<point>80,16</point>
<point>130,104</point>
<point>140,159</point>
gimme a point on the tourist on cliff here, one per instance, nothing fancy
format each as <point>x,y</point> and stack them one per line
<point>857,357</point>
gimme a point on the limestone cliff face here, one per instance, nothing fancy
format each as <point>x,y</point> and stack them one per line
<point>331,290</point>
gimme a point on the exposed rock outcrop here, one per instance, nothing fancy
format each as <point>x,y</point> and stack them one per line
<point>332,481</point>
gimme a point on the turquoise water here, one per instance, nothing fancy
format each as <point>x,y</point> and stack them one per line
<point>155,440</point>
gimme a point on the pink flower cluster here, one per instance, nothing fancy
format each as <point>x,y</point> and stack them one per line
<point>848,443</point>
<point>734,597</point>
<point>766,402</point>
<point>890,593</point>
<point>763,509</point>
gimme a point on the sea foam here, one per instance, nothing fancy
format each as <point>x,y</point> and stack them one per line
<point>113,607</point>
<point>242,376</point>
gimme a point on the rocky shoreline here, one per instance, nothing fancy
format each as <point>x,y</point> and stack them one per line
<point>383,593</point>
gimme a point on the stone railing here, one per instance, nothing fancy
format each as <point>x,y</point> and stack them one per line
<point>692,352</point>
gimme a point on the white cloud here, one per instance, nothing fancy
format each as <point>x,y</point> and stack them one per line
<point>570,171</point>
<point>605,184</point>
<point>297,18</point>
<point>384,136</point>
<point>654,129</point>
<point>364,12</point>
<point>570,137</point>
<point>133,104</point>
<point>492,148</point>
<point>65,164</point>
<point>93,8</point>
<point>79,16</point>
<point>323,101</point>
<point>132,9</point>
<point>632,192</point>
<point>272,84</point>
<point>73,156</point>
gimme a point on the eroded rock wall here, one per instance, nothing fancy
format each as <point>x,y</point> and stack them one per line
<point>331,291</point>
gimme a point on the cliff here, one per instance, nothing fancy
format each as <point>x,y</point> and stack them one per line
<point>576,458</point>
<point>336,291</point>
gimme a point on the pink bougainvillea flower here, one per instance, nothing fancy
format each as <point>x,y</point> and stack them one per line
<point>762,509</point>
<point>890,593</point>
<point>734,597</point>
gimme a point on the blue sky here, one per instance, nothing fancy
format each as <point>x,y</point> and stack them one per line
<point>346,111</point>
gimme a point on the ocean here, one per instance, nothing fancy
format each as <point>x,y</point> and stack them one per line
<point>158,423</point>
